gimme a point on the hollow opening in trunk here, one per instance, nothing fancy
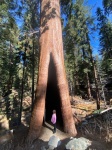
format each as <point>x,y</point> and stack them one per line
<point>52,96</point>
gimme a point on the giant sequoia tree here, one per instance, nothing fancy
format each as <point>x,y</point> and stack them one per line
<point>51,71</point>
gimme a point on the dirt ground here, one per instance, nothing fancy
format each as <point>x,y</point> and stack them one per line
<point>21,133</point>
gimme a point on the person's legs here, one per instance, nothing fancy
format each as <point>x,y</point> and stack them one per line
<point>54,131</point>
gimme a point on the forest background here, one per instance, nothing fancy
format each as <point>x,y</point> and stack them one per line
<point>87,40</point>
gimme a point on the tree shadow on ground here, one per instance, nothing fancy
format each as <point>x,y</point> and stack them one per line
<point>96,145</point>
<point>20,143</point>
<point>20,134</point>
<point>48,126</point>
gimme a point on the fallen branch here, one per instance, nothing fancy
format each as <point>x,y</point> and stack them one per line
<point>110,108</point>
<point>76,117</point>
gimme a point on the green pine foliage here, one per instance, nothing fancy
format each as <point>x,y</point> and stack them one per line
<point>8,39</point>
<point>19,47</point>
<point>105,37</point>
<point>107,6</point>
<point>77,55</point>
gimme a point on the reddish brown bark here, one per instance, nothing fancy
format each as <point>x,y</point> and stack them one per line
<point>51,45</point>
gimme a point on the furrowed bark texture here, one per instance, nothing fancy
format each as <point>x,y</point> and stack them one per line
<point>51,45</point>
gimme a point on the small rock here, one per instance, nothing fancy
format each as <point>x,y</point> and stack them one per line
<point>51,148</point>
<point>54,142</point>
<point>78,144</point>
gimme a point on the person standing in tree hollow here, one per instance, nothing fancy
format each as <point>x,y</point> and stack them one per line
<point>53,120</point>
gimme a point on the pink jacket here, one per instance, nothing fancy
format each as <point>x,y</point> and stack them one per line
<point>53,119</point>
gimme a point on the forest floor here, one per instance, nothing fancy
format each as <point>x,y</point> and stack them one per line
<point>82,109</point>
<point>21,133</point>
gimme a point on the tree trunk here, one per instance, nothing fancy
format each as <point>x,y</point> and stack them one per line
<point>33,71</point>
<point>51,47</point>
<point>95,76</point>
<point>96,84</point>
<point>88,86</point>
<point>10,80</point>
<point>87,77</point>
<point>22,92</point>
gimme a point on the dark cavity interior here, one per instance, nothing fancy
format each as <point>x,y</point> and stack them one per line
<point>52,96</point>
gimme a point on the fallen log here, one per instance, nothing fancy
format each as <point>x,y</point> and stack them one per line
<point>110,108</point>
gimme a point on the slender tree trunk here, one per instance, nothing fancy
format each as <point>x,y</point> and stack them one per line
<point>103,92</point>
<point>88,86</point>
<point>87,77</point>
<point>51,47</point>
<point>33,66</point>
<point>10,80</point>
<point>96,84</point>
<point>95,77</point>
<point>22,88</point>
<point>76,84</point>
<point>21,102</point>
